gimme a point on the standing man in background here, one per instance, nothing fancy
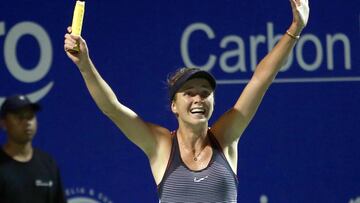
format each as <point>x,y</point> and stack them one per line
<point>27,175</point>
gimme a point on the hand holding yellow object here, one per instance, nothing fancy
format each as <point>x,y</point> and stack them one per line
<point>78,20</point>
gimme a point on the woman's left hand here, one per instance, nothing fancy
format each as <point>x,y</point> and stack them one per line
<point>300,10</point>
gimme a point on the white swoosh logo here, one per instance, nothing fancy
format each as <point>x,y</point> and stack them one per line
<point>37,95</point>
<point>196,180</point>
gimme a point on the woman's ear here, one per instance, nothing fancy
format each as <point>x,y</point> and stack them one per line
<point>173,107</point>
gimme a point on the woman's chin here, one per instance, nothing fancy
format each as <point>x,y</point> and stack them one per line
<point>199,119</point>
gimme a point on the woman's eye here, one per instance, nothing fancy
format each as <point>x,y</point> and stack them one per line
<point>205,94</point>
<point>189,93</point>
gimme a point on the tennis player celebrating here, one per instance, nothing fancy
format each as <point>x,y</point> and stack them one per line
<point>195,163</point>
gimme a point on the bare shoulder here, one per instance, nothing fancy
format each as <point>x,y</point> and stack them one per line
<point>228,128</point>
<point>159,131</point>
<point>160,155</point>
<point>228,145</point>
<point>163,139</point>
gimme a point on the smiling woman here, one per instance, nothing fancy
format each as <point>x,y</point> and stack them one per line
<point>191,90</point>
<point>198,161</point>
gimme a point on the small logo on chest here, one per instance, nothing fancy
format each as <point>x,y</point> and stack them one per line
<point>198,180</point>
<point>41,183</point>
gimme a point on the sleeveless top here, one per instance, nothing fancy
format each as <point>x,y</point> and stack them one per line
<point>215,183</point>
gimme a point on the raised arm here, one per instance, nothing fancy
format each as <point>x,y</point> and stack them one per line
<point>231,125</point>
<point>145,135</point>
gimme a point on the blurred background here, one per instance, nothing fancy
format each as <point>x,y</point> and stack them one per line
<point>303,145</point>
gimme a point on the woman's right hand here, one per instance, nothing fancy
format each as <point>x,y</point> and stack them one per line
<point>81,57</point>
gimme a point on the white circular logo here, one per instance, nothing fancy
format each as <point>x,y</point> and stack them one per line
<point>43,66</point>
<point>82,200</point>
<point>85,195</point>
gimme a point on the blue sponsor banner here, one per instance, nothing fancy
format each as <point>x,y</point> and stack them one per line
<point>302,145</point>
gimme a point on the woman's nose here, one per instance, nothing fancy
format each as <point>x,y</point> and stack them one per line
<point>197,98</point>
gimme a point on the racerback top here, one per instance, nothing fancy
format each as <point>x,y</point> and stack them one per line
<point>215,183</point>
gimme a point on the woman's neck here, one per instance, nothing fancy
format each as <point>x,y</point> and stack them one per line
<point>191,136</point>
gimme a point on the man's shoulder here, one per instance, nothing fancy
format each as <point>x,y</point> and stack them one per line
<point>43,156</point>
<point>3,156</point>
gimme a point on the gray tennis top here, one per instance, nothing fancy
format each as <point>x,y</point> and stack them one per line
<point>215,183</point>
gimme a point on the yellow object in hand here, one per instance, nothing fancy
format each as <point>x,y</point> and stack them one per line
<point>77,20</point>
